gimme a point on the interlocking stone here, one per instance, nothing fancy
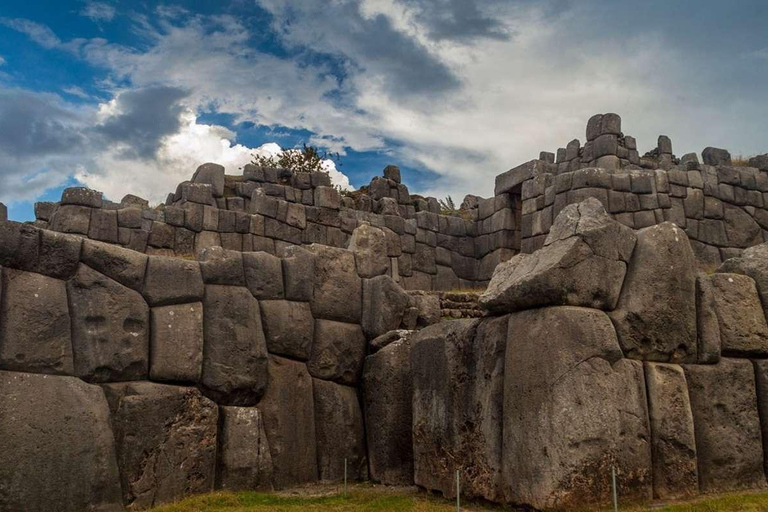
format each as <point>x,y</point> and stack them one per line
<point>288,327</point>
<point>742,325</point>
<point>176,343</point>
<point>337,352</point>
<point>244,459</point>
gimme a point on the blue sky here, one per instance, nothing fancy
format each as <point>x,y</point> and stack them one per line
<point>129,97</point>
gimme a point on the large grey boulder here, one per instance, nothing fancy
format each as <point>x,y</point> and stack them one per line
<point>125,266</point>
<point>221,266</point>
<point>384,304</point>
<point>567,368</point>
<point>172,281</point>
<point>19,246</point>
<point>299,272</point>
<point>458,389</point>
<point>211,174</point>
<point>727,426</point>
<point>289,327</point>
<point>35,329</point>
<point>4,212</point>
<point>715,156</point>
<point>369,245</point>
<point>673,443</point>
<point>338,289</point>
<point>289,421</point>
<point>110,328</point>
<point>57,452</point>
<point>82,196</point>
<point>340,432</point>
<point>166,441</point>
<point>71,219</point>
<point>743,329</point>
<point>761,382</point>
<point>235,363</point>
<point>59,254</point>
<point>263,275</point>
<point>337,352</point>
<point>655,317</point>
<point>176,344</point>
<point>583,263</point>
<point>244,461</point>
<point>753,262</point>
<point>387,396</point>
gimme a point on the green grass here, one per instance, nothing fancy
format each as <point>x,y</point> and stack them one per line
<point>373,498</point>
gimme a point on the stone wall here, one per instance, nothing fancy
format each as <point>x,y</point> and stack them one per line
<point>605,349</point>
<point>268,210</point>
<point>128,380</point>
<point>722,208</point>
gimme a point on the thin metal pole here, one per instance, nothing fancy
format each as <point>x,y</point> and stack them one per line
<point>458,492</point>
<point>345,477</point>
<point>615,496</point>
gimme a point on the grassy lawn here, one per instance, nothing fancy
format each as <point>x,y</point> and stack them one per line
<point>371,498</point>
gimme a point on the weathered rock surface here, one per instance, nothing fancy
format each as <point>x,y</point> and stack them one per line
<point>35,329</point>
<point>338,289</point>
<point>583,263</point>
<point>725,417</point>
<point>386,339</point>
<point>59,254</point>
<point>221,266</point>
<point>263,275</point>
<point>743,329</point>
<point>125,266</point>
<point>244,460</point>
<point>172,281</point>
<point>299,272</point>
<point>753,262</point>
<point>289,327</point>
<point>655,317</point>
<point>761,382</point>
<point>458,384</point>
<point>166,441</point>
<point>211,174</point>
<point>340,432</point>
<point>110,328</point>
<point>567,368</point>
<point>384,304</point>
<point>57,453</point>
<point>289,421</point>
<point>235,364</point>
<point>673,442</point>
<point>369,246</point>
<point>387,399</point>
<point>176,345</point>
<point>337,353</point>
<point>707,324</point>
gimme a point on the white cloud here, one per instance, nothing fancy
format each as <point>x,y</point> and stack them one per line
<point>99,11</point>
<point>2,60</point>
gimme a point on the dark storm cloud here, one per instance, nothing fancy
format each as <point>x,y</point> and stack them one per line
<point>457,20</point>
<point>143,118</point>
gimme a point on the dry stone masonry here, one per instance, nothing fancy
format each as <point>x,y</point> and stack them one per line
<point>603,310</point>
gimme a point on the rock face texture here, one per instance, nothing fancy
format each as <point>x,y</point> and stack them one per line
<point>673,443</point>
<point>166,441</point>
<point>57,452</point>
<point>458,416</point>
<point>725,416</point>
<point>567,366</point>
<point>387,401</point>
<point>110,328</point>
<point>244,459</point>
<point>743,329</point>
<point>582,263</point>
<point>655,317</point>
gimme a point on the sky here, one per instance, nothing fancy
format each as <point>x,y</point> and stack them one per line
<point>131,96</point>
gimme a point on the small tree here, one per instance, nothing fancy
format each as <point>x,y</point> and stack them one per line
<point>307,159</point>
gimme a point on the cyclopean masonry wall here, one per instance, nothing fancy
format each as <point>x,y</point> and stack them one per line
<point>267,210</point>
<point>722,208</point>
<point>130,378</point>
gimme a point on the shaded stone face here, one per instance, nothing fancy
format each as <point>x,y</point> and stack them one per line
<point>340,432</point>
<point>110,328</point>
<point>235,351</point>
<point>337,352</point>
<point>566,366</point>
<point>289,421</point>
<point>57,452</point>
<point>387,400</point>
<point>244,460</point>
<point>338,289</point>
<point>166,441</point>
<point>34,324</point>
<point>177,343</point>
<point>727,426</point>
<point>743,329</point>
<point>458,381</point>
<point>288,327</point>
